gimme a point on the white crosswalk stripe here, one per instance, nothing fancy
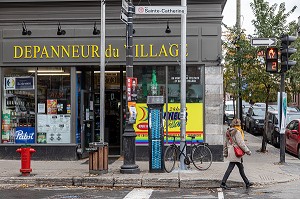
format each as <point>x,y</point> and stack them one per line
<point>139,193</point>
<point>220,193</point>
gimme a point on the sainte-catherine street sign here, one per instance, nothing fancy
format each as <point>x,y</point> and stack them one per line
<point>263,41</point>
<point>158,10</point>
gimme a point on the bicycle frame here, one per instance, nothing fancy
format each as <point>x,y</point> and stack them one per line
<point>197,153</point>
<point>181,152</point>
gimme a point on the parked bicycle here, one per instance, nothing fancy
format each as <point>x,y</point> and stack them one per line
<point>198,153</point>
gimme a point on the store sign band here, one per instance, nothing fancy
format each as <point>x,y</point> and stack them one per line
<point>92,51</point>
<point>65,51</point>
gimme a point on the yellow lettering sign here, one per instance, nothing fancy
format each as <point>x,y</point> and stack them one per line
<point>85,52</point>
<point>55,52</point>
<point>75,51</point>
<point>65,51</point>
<point>92,51</point>
<point>151,51</point>
<point>27,53</point>
<point>173,50</point>
<point>163,51</point>
<point>18,52</point>
<point>44,52</point>
<point>95,50</point>
<point>36,50</point>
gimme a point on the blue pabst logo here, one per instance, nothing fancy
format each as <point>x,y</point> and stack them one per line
<point>25,135</point>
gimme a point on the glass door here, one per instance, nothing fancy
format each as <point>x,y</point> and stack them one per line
<point>112,110</point>
<point>86,119</point>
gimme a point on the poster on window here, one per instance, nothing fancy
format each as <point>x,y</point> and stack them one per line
<point>54,129</point>
<point>131,89</point>
<point>25,135</point>
<point>194,122</point>
<point>41,138</point>
<point>52,106</point>
<point>18,83</point>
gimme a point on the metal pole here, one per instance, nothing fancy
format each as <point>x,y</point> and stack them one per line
<point>282,135</point>
<point>167,106</point>
<point>102,73</point>
<point>129,135</point>
<point>183,87</point>
<point>238,26</point>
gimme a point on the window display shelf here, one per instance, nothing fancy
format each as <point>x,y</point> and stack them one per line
<point>19,114</point>
<point>20,101</point>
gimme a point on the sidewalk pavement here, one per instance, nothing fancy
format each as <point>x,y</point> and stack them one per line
<point>260,168</point>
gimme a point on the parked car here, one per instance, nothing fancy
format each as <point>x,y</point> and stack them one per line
<point>292,109</point>
<point>228,112</point>
<point>289,108</point>
<point>260,104</point>
<point>273,130</point>
<point>254,120</point>
<point>292,137</point>
<point>274,107</point>
<point>245,111</point>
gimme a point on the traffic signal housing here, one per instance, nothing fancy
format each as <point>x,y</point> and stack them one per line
<point>272,60</point>
<point>286,52</point>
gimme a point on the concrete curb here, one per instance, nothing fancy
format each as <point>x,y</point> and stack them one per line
<point>131,180</point>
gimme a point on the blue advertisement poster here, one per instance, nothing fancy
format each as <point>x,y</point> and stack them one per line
<point>24,83</point>
<point>19,83</point>
<point>25,135</point>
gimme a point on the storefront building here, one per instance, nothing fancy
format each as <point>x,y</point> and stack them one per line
<point>49,68</point>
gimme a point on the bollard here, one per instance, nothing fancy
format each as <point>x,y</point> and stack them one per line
<point>25,159</point>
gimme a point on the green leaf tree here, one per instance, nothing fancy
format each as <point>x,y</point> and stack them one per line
<point>269,22</point>
<point>257,84</point>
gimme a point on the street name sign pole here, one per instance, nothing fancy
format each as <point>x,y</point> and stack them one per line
<point>183,87</point>
<point>175,10</point>
<point>129,166</point>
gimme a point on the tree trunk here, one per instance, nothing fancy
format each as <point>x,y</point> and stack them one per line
<point>264,138</point>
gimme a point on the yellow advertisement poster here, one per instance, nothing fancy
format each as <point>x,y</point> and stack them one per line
<point>194,121</point>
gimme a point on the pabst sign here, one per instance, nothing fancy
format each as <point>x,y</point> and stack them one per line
<point>25,135</point>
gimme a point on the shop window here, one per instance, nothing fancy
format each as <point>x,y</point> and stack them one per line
<point>53,106</point>
<point>162,80</point>
<point>151,81</point>
<point>18,106</point>
<point>194,84</point>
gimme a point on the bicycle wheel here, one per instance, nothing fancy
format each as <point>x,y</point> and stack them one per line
<point>170,158</point>
<point>201,157</point>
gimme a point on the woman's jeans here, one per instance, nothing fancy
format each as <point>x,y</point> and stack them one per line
<point>230,168</point>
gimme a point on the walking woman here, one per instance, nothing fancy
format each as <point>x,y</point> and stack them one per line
<point>234,136</point>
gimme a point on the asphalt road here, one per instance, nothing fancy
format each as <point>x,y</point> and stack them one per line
<point>277,191</point>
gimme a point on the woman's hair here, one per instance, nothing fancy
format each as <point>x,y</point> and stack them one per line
<point>236,122</point>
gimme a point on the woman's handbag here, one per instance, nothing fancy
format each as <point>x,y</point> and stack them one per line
<point>237,150</point>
